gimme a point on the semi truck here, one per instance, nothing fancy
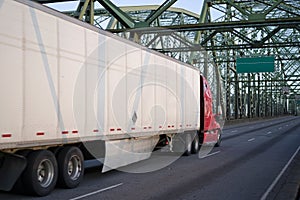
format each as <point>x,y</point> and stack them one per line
<point>71,93</point>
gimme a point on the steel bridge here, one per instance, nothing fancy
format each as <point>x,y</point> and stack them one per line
<point>241,28</point>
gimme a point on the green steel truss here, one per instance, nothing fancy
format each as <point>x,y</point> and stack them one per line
<point>212,40</point>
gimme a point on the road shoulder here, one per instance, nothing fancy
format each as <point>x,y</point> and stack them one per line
<point>289,186</point>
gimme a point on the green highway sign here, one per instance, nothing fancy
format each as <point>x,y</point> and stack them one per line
<point>255,64</point>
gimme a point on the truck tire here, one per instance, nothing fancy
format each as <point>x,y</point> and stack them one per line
<point>40,175</point>
<point>195,144</point>
<point>188,145</point>
<point>70,167</point>
<point>219,138</point>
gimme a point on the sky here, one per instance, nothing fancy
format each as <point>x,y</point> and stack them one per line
<point>190,5</point>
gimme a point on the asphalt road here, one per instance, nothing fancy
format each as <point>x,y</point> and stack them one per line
<point>250,164</point>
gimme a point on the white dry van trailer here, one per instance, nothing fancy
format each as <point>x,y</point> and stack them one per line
<point>71,93</point>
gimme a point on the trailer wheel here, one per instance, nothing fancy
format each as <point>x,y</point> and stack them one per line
<point>40,175</point>
<point>70,167</point>
<point>195,144</point>
<point>188,145</point>
<point>219,138</point>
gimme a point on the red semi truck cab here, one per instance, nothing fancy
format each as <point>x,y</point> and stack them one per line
<point>210,128</point>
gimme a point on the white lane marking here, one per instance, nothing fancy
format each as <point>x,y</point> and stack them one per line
<point>287,125</point>
<point>234,131</point>
<point>250,140</point>
<point>214,153</point>
<point>280,128</point>
<point>270,188</point>
<point>96,192</point>
<point>268,133</point>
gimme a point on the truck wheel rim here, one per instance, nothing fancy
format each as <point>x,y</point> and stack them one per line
<point>74,167</point>
<point>45,173</point>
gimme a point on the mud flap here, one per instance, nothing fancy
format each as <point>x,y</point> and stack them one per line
<point>11,167</point>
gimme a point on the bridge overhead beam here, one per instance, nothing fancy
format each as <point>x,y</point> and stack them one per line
<point>122,17</point>
<point>219,26</point>
<point>153,16</point>
<point>86,8</point>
